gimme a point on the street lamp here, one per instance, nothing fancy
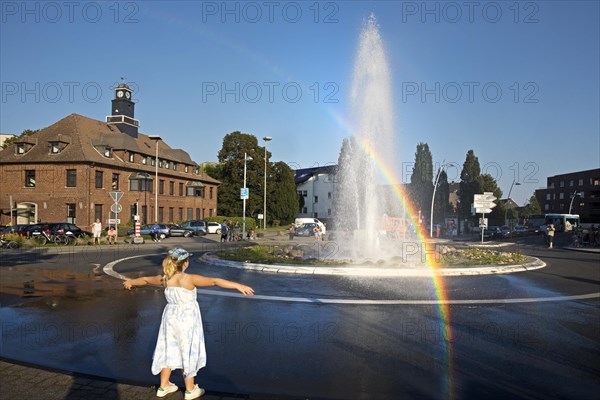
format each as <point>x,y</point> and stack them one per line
<point>245,195</point>
<point>156,138</point>
<point>508,199</point>
<point>266,139</point>
<point>573,198</point>
<point>437,178</point>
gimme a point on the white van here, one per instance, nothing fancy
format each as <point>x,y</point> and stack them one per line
<point>300,221</point>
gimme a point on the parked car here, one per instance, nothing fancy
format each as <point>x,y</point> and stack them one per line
<point>306,229</point>
<point>492,232</point>
<point>214,227</point>
<point>520,230</point>
<point>197,226</point>
<point>164,230</point>
<point>505,231</point>
<point>176,231</point>
<point>19,229</point>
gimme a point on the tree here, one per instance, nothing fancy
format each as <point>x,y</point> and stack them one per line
<point>532,208</point>
<point>470,184</point>
<point>421,179</point>
<point>282,199</point>
<point>442,205</point>
<point>282,203</point>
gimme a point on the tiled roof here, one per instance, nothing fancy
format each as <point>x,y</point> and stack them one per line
<point>84,138</point>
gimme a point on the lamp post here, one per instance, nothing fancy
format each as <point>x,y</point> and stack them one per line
<point>437,178</point>
<point>508,199</point>
<point>156,138</point>
<point>266,139</point>
<point>573,198</point>
<point>245,196</point>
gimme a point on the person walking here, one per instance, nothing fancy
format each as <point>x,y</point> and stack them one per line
<point>96,231</point>
<point>180,343</point>
<point>154,232</point>
<point>550,234</point>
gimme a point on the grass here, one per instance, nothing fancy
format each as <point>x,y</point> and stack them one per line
<point>297,254</point>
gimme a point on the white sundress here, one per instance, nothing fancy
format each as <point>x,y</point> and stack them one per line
<point>180,343</point>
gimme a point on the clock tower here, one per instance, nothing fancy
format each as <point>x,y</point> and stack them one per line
<point>123,111</point>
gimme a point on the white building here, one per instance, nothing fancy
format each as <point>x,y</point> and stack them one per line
<point>316,185</point>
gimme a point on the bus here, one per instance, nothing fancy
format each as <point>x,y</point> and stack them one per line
<point>562,222</point>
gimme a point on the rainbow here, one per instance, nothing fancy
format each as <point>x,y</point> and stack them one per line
<point>430,256</point>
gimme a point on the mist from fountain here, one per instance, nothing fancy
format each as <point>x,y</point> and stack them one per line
<point>360,200</point>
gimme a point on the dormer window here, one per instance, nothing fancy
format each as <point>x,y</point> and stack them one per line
<point>23,147</point>
<point>197,171</point>
<point>107,152</point>
<point>160,163</point>
<point>144,160</point>
<point>186,169</point>
<point>56,147</point>
<point>131,157</point>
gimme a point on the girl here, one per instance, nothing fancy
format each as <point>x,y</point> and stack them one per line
<point>180,343</point>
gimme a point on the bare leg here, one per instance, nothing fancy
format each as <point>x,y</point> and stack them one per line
<point>189,382</point>
<point>165,375</point>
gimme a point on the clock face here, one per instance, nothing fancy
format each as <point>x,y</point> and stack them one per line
<point>127,94</point>
<point>120,93</point>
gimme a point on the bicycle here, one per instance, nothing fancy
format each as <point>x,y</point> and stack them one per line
<point>8,244</point>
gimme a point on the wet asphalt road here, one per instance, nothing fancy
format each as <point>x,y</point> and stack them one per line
<point>525,335</point>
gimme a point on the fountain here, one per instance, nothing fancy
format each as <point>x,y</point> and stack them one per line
<point>360,202</point>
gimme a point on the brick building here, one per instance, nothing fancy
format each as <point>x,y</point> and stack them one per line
<point>66,171</point>
<point>577,191</point>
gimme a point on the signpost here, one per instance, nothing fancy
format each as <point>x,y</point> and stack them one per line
<point>116,208</point>
<point>483,204</point>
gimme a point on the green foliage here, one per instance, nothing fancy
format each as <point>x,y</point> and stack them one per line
<point>11,140</point>
<point>470,184</point>
<point>421,179</point>
<point>533,207</point>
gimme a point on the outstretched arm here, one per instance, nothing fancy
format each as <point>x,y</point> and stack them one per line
<point>200,280</point>
<point>144,280</point>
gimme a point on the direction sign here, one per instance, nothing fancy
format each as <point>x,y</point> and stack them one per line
<point>116,208</point>
<point>484,204</point>
<point>483,210</point>
<point>116,196</point>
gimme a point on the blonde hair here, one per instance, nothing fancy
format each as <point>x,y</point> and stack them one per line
<point>171,266</point>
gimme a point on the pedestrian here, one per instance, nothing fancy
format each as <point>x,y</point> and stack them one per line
<point>550,234</point>
<point>180,343</point>
<point>111,235</point>
<point>292,231</point>
<point>96,231</point>
<point>316,232</point>
<point>224,231</point>
<point>154,232</point>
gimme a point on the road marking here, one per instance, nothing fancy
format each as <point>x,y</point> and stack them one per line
<point>109,270</point>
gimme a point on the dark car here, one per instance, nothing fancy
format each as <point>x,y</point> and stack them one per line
<point>505,231</point>
<point>59,228</point>
<point>306,229</point>
<point>199,227</point>
<point>19,229</point>
<point>492,232</point>
<point>176,230</point>
<point>164,230</point>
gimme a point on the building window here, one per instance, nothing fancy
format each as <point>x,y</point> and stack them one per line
<point>186,169</point>
<point>175,166</point>
<point>171,214</point>
<point>195,191</point>
<point>580,182</point>
<point>181,189</point>
<point>71,213</point>
<point>316,199</point>
<point>98,212</point>
<point>561,195</point>
<point>180,214</point>
<point>160,214</point>
<point>152,162</point>
<point>561,184</point>
<point>304,193</point>
<point>22,148</point>
<point>30,178</point>
<point>596,181</point>
<point>571,183</point>
<point>107,152</point>
<point>198,216</point>
<point>115,182</point>
<point>144,160</point>
<point>99,179</point>
<point>171,188</point>
<point>57,147</point>
<point>329,212</point>
<point>304,210</point>
<point>190,213</point>
<point>210,192</point>
<point>161,186</point>
<point>160,163</point>
<point>131,157</point>
<point>71,178</point>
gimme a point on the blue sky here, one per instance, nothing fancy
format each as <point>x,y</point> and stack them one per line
<point>517,82</point>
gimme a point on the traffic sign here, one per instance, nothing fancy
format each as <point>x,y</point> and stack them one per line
<point>116,208</point>
<point>244,193</point>
<point>483,210</point>
<point>116,196</point>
